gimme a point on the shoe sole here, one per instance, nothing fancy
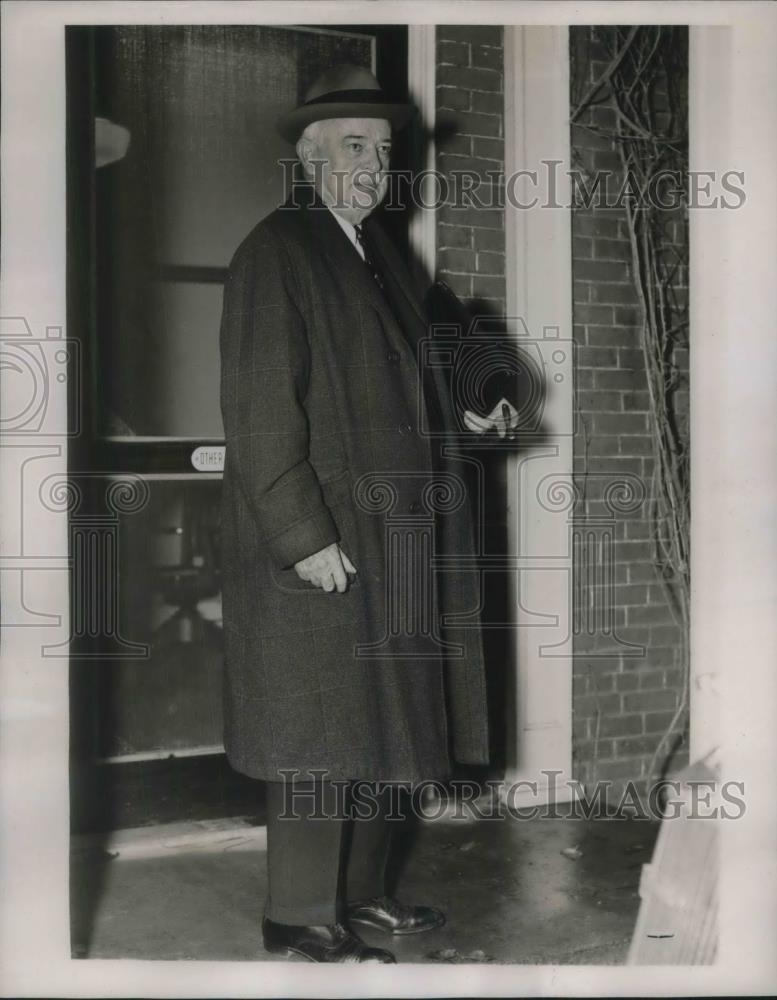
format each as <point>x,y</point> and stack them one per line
<point>286,951</point>
<point>397,933</point>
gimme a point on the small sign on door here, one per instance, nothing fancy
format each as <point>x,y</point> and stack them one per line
<point>209,458</point>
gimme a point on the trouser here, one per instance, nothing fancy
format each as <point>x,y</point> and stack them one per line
<point>327,855</point>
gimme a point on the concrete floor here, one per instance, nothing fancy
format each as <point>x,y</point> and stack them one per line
<point>510,893</point>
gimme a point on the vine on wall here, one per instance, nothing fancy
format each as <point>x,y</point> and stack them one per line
<point>644,83</point>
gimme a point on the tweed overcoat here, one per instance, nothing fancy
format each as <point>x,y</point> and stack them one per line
<point>326,429</point>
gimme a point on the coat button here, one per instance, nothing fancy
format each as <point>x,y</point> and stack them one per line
<point>414,507</point>
<point>393,357</point>
<point>405,428</point>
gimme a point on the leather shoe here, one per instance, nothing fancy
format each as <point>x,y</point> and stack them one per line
<point>327,943</point>
<point>387,914</point>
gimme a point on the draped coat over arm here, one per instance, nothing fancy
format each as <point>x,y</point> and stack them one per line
<point>327,440</point>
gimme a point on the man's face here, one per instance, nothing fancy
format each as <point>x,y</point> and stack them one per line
<point>353,177</point>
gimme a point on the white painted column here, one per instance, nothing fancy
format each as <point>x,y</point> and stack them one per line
<point>422,77</point>
<point>539,292</point>
<point>733,79</point>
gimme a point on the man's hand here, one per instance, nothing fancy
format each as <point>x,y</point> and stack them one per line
<point>504,417</point>
<point>326,569</point>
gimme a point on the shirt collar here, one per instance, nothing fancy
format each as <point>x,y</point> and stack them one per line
<point>349,230</point>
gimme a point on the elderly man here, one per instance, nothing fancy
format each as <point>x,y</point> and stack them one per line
<point>337,670</point>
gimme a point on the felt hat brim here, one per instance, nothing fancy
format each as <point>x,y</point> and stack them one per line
<point>293,123</point>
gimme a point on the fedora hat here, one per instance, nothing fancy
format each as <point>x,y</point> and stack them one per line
<point>343,91</point>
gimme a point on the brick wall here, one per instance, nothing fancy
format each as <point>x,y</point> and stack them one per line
<point>622,705</point>
<point>470,116</point>
<point>471,259</point>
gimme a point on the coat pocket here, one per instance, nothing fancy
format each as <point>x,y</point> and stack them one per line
<point>337,493</point>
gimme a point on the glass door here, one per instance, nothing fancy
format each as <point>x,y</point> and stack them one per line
<point>173,158</point>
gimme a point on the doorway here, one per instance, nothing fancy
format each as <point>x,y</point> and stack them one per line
<point>173,157</point>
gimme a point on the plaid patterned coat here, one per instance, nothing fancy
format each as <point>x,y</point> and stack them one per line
<point>324,421</point>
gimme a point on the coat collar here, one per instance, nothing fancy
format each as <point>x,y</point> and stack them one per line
<point>333,243</point>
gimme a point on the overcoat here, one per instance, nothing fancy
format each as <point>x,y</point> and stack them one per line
<point>328,438</point>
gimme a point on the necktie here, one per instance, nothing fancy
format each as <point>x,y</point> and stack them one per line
<point>369,258</point>
<point>394,299</point>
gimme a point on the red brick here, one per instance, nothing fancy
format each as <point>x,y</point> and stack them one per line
<point>488,104</point>
<point>626,682</point>
<point>459,237</point>
<point>607,336</point>
<point>614,293</point>
<point>449,163</point>
<point>454,98</point>
<point>603,116</point>
<point>632,746</point>
<point>488,240</point>
<point>658,722</point>
<point>581,728</point>
<point>608,159</point>
<point>455,142</point>
<point>597,401</point>
<point>633,551</point>
<point>661,657</point>
<point>600,270</point>
<point>594,749</point>
<point>455,53</point>
<point>649,701</point>
<point>650,680</point>
<point>636,402</point>
<point>602,683</point>
<point>593,314</point>
<point>638,530</point>
<point>470,78</point>
<point>487,56</point>
<point>604,223</point>
<point>621,725</point>
<point>665,635</point>
<point>488,148</point>
<point>619,379</point>
<point>617,423</point>
<point>628,316</point>
<point>488,285</point>
<point>602,444</point>
<point>593,705</point>
<point>642,572</point>
<point>462,261</point>
<point>631,358</point>
<point>584,380</point>
<point>461,284</point>
<point>619,768</point>
<point>582,247</point>
<point>491,263</point>
<point>581,292</point>
<point>477,124</point>
<point>612,248</point>
<point>598,357</point>
<point>485,218</point>
<point>676,679</point>
<point>631,596</point>
<point>636,445</point>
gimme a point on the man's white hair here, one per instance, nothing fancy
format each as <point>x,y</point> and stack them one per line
<point>312,132</point>
<point>311,136</point>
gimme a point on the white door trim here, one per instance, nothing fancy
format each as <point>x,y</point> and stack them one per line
<point>422,78</point>
<point>539,291</point>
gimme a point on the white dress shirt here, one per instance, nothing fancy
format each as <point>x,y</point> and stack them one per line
<point>349,231</point>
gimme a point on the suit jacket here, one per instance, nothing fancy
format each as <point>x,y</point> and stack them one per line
<point>327,440</point>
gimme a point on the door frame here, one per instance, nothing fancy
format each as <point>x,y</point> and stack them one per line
<point>539,290</point>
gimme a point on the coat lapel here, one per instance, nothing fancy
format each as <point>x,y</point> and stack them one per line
<point>350,270</point>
